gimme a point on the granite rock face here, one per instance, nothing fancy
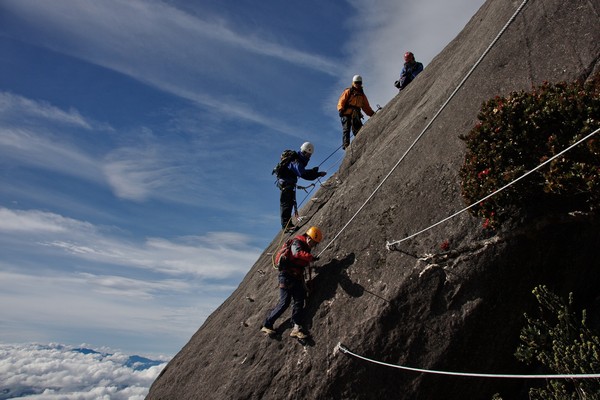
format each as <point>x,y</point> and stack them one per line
<point>458,309</point>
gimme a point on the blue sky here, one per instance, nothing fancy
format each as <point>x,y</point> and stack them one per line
<point>137,140</point>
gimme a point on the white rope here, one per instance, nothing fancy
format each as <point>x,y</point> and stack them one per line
<point>470,374</point>
<point>429,124</point>
<point>391,244</point>
<point>319,180</point>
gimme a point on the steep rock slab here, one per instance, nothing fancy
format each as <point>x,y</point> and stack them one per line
<point>458,311</point>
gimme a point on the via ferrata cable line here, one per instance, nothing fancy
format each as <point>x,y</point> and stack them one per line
<point>487,50</point>
<point>389,245</point>
<point>345,350</point>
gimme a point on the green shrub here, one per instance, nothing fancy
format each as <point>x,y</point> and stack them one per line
<point>562,343</point>
<point>517,133</point>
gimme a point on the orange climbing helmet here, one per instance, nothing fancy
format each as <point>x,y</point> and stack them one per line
<point>314,233</point>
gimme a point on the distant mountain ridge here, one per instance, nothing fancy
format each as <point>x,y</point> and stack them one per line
<point>456,308</point>
<point>137,363</point>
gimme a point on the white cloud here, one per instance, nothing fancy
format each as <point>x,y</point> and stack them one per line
<point>88,302</point>
<point>93,282</point>
<point>216,255</point>
<point>150,169</point>
<point>234,109</point>
<point>14,106</point>
<point>27,147</point>
<point>35,222</point>
<point>201,172</point>
<point>37,134</point>
<point>137,173</point>
<point>138,47</point>
<point>162,31</point>
<point>191,256</point>
<point>386,29</point>
<point>186,256</point>
<point>134,288</point>
<point>62,372</point>
<point>168,171</point>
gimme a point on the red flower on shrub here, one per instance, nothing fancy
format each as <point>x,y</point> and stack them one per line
<point>483,173</point>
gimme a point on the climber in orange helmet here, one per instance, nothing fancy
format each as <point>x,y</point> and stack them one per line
<point>292,285</point>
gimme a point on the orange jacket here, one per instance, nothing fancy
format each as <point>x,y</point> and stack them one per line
<point>353,98</point>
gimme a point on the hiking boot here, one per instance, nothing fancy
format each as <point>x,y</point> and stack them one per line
<point>297,333</point>
<point>267,330</point>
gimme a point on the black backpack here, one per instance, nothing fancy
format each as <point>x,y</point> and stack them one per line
<point>286,158</point>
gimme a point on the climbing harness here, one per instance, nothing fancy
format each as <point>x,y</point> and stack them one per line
<point>308,192</point>
<point>512,18</point>
<point>345,350</point>
<point>391,245</point>
<point>305,187</point>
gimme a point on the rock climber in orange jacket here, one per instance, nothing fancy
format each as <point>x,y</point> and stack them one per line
<point>350,104</point>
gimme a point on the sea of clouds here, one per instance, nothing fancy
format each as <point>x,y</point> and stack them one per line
<point>55,371</point>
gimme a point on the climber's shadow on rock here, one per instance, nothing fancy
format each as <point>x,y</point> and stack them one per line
<point>327,280</point>
<point>331,275</point>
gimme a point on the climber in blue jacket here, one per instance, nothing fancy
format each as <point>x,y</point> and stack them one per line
<point>410,70</point>
<point>287,178</point>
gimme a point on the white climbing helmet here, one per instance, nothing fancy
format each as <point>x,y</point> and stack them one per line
<point>356,78</point>
<point>308,148</point>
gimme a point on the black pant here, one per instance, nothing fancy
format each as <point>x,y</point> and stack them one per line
<point>287,202</point>
<point>350,122</point>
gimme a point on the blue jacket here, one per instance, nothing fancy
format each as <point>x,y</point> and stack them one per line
<point>296,169</point>
<point>409,72</point>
